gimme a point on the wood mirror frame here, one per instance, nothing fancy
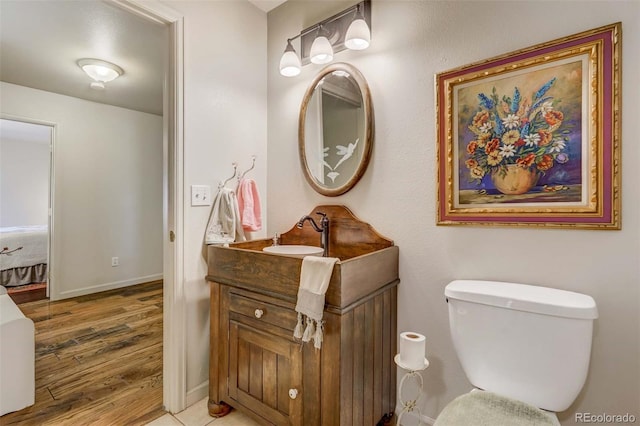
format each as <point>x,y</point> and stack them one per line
<point>367,132</point>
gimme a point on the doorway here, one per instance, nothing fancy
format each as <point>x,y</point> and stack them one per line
<point>174,369</point>
<point>26,164</point>
<point>174,317</point>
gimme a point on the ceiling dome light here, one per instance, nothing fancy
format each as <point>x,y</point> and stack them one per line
<point>100,71</point>
<point>358,35</point>
<point>290,65</point>
<point>321,49</point>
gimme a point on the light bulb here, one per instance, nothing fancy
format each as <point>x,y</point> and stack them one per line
<point>321,50</point>
<point>290,65</point>
<point>358,35</point>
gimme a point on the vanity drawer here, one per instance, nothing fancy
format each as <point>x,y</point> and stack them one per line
<point>263,311</point>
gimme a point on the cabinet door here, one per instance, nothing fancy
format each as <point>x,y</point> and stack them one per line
<point>265,374</point>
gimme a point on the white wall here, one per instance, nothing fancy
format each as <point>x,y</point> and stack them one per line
<point>107,190</point>
<point>225,96</point>
<point>24,182</point>
<point>412,41</point>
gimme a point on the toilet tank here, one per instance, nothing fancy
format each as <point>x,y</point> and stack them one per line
<point>525,342</point>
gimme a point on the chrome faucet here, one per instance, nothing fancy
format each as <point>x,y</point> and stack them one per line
<point>323,228</point>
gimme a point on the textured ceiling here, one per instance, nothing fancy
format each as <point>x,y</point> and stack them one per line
<point>41,42</point>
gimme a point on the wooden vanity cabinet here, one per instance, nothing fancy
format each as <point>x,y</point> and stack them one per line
<point>270,376</point>
<point>265,366</point>
<point>256,365</point>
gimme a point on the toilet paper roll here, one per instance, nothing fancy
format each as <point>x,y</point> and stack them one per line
<point>412,350</point>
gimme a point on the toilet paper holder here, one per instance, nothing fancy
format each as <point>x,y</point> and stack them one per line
<point>410,405</point>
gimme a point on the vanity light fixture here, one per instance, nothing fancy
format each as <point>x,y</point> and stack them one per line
<point>290,64</point>
<point>321,49</point>
<point>349,29</point>
<point>358,35</point>
<point>100,71</point>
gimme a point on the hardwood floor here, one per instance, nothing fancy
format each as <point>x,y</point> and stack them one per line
<point>98,359</point>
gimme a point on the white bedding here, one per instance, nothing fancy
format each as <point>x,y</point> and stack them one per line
<point>32,239</point>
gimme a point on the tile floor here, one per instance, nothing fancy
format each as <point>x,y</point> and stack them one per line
<point>198,415</point>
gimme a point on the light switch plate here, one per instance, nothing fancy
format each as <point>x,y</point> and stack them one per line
<point>200,195</point>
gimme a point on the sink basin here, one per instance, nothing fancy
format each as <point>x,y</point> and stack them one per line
<point>294,250</point>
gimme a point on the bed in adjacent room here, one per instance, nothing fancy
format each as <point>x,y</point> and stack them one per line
<point>23,255</point>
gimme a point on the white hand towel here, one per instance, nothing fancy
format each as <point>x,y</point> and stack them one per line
<point>224,221</point>
<point>315,276</point>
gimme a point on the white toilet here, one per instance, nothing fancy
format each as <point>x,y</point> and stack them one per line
<point>526,347</point>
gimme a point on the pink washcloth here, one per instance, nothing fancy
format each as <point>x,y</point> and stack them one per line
<point>249,203</point>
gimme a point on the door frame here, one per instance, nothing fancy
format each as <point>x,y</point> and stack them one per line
<point>174,303</point>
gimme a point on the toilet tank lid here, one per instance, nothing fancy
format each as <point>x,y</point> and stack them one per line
<point>523,297</point>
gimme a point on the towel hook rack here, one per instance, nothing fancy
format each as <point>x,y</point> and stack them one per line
<point>235,171</point>
<point>253,164</point>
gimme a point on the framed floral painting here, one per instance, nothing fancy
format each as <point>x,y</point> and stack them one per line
<point>533,137</point>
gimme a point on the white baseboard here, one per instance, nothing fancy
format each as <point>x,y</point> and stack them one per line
<point>196,394</point>
<point>107,286</point>
<point>413,418</point>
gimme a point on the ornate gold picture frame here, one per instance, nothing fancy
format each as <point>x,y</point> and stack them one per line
<point>532,138</point>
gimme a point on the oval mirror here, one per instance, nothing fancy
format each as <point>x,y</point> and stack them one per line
<point>335,129</point>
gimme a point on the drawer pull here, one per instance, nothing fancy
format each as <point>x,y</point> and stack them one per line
<point>258,313</point>
<point>293,393</point>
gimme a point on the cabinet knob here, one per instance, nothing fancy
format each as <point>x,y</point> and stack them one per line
<point>259,313</point>
<point>293,393</point>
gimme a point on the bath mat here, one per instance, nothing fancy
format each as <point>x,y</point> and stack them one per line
<point>482,408</point>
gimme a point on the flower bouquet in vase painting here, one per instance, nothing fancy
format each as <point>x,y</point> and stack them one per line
<point>515,140</point>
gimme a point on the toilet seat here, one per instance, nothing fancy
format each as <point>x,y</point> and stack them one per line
<point>482,408</point>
